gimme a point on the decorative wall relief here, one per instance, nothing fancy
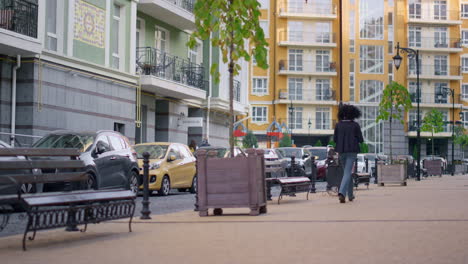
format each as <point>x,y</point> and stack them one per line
<point>90,24</point>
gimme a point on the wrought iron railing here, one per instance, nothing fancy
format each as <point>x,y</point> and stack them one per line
<point>185,4</point>
<point>19,16</point>
<point>438,43</point>
<point>151,61</point>
<point>308,94</point>
<point>303,123</point>
<point>435,98</point>
<point>307,37</point>
<point>307,8</point>
<point>413,126</point>
<point>436,70</point>
<point>307,66</point>
<point>432,13</point>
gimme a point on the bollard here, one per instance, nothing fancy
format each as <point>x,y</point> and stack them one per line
<point>367,165</point>
<point>313,175</point>
<point>293,166</point>
<point>145,212</point>
<point>375,174</point>
<point>196,198</point>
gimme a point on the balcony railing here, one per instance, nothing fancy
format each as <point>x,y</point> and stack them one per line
<point>435,98</point>
<point>307,37</point>
<point>185,4</point>
<point>151,61</point>
<point>436,70</point>
<point>303,124</point>
<point>237,91</point>
<point>433,13</point>
<point>302,7</point>
<point>308,95</point>
<point>436,43</point>
<point>413,126</point>
<point>307,66</point>
<point>19,16</point>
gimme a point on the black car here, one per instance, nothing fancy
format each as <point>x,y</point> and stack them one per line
<point>12,188</point>
<point>109,158</point>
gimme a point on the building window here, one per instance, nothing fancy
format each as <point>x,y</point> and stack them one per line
<point>264,26</point>
<point>413,120</point>
<point>390,71</point>
<point>193,54</point>
<point>259,86</point>
<point>370,91</point>
<point>116,37</point>
<point>465,119</point>
<point>322,60</point>
<point>295,88</point>
<point>296,118</point>
<point>390,33</point>
<point>465,93</point>
<point>295,32</point>
<point>351,80</point>
<point>322,90</point>
<point>264,4</point>
<point>464,10</point>
<point>295,59</point>
<point>371,59</point>
<point>464,37</point>
<point>371,19</point>
<point>413,88</point>
<point>440,64</point>
<point>51,25</point>
<point>119,127</point>
<point>414,35</point>
<point>352,33</point>
<point>412,65</point>
<point>440,37</point>
<point>161,39</point>
<point>322,118</point>
<point>322,31</point>
<point>259,114</point>
<point>415,9</point>
<point>441,96</point>
<point>440,10</point>
<point>464,64</point>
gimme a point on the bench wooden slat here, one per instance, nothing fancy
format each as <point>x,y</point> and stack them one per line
<point>40,164</point>
<point>39,152</point>
<point>43,178</point>
<point>76,197</point>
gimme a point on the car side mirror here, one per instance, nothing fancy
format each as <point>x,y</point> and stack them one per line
<point>171,158</point>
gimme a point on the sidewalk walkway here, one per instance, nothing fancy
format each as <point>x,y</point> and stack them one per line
<point>425,222</point>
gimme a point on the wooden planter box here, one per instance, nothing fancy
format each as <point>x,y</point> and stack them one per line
<point>231,182</point>
<point>392,174</point>
<point>433,167</point>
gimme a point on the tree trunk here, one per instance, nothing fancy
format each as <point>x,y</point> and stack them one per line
<point>231,93</point>
<point>391,152</point>
<point>432,143</point>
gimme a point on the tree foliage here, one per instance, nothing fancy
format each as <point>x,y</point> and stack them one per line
<point>433,122</point>
<point>285,141</point>
<point>364,147</point>
<point>318,143</point>
<point>396,100</point>
<point>250,140</point>
<point>331,143</point>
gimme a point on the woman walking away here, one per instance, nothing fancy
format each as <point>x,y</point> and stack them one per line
<point>347,136</point>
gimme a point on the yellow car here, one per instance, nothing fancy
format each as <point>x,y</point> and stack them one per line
<point>171,165</point>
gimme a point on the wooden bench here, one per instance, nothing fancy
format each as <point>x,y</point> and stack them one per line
<point>58,209</point>
<point>290,186</point>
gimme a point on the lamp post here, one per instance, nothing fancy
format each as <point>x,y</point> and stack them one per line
<point>447,90</point>
<point>309,124</point>
<point>397,61</point>
<point>291,113</point>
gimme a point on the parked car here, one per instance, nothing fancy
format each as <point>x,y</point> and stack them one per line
<point>275,164</point>
<point>172,165</point>
<point>12,188</point>
<point>302,158</point>
<point>321,154</point>
<point>223,152</point>
<point>109,158</point>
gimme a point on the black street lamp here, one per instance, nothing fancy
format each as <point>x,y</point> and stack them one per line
<point>397,59</point>
<point>447,90</point>
<point>291,113</point>
<point>309,124</point>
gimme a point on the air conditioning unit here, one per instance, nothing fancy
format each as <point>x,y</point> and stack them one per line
<point>283,95</point>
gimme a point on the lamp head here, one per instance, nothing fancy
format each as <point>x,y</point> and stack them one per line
<point>397,60</point>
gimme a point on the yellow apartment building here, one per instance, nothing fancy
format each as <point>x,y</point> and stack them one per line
<point>321,55</point>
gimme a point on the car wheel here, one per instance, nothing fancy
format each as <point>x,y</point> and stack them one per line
<point>194,187</point>
<point>91,183</point>
<point>133,182</point>
<point>28,188</point>
<point>165,187</point>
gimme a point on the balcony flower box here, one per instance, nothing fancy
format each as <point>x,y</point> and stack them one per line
<point>231,182</point>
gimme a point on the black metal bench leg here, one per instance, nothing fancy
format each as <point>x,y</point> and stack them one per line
<point>26,231</point>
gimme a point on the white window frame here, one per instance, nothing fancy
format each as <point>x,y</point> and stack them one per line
<point>121,45</point>
<point>294,94</point>
<point>166,41</point>
<point>464,92</point>
<point>378,26</point>
<point>295,31</point>
<point>415,36</point>
<point>298,55</point>
<point>296,121</point>
<point>322,114</point>
<point>141,32</point>
<point>464,64</point>
<point>464,11</point>
<point>265,25</point>
<point>59,29</point>
<point>378,66</point>
<point>260,91</point>
<point>323,91</point>
<point>259,119</point>
<point>464,37</point>
<point>197,51</point>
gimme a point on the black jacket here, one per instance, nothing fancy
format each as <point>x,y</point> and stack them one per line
<point>347,137</point>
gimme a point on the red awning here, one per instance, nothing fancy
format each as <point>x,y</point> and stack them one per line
<point>239,133</point>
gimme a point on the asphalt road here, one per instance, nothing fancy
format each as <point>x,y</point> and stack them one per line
<point>174,202</point>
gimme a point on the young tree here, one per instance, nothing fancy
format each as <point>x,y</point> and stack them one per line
<point>285,141</point>
<point>395,102</point>
<point>433,122</point>
<point>230,25</point>
<point>460,137</point>
<point>318,143</point>
<point>250,140</point>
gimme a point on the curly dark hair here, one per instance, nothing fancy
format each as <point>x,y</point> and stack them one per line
<point>348,112</point>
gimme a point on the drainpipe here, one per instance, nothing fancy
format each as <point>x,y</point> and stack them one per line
<point>13,100</point>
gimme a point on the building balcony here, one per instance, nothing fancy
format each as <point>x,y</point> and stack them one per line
<point>307,39</point>
<point>413,127</point>
<point>308,96</point>
<point>434,72</point>
<point>317,126</point>
<point>452,45</point>
<point>308,68</point>
<point>308,10</point>
<point>440,100</point>
<point>18,28</point>
<point>170,76</point>
<point>178,13</point>
<point>434,15</point>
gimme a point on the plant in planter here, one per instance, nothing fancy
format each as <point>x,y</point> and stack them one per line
<point>364,147</point>
<point>395,101</point>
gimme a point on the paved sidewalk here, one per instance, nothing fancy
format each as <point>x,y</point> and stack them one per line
<point>425,222</point>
